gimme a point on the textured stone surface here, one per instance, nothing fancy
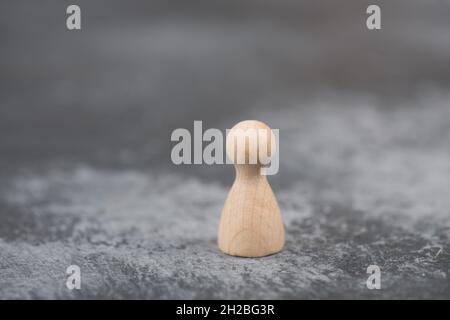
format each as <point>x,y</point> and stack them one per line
<point>85,171</point>
<point>356,198</point>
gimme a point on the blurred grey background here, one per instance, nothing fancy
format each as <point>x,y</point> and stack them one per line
<point>85,123</point>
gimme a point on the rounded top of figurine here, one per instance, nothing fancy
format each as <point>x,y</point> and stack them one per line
<point>250,142</point>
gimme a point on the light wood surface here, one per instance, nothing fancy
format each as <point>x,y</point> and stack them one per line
<point>251,224</point>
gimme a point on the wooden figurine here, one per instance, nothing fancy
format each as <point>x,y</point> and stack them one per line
<point>251,224</point>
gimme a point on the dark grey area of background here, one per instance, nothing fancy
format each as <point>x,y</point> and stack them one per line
<point>85,123</point>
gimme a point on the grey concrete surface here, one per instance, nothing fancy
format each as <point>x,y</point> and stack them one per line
<point>85,170</point>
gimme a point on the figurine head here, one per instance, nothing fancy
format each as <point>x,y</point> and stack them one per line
<point>250,142</point>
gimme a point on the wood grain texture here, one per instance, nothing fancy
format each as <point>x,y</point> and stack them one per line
<point>251,223</point>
